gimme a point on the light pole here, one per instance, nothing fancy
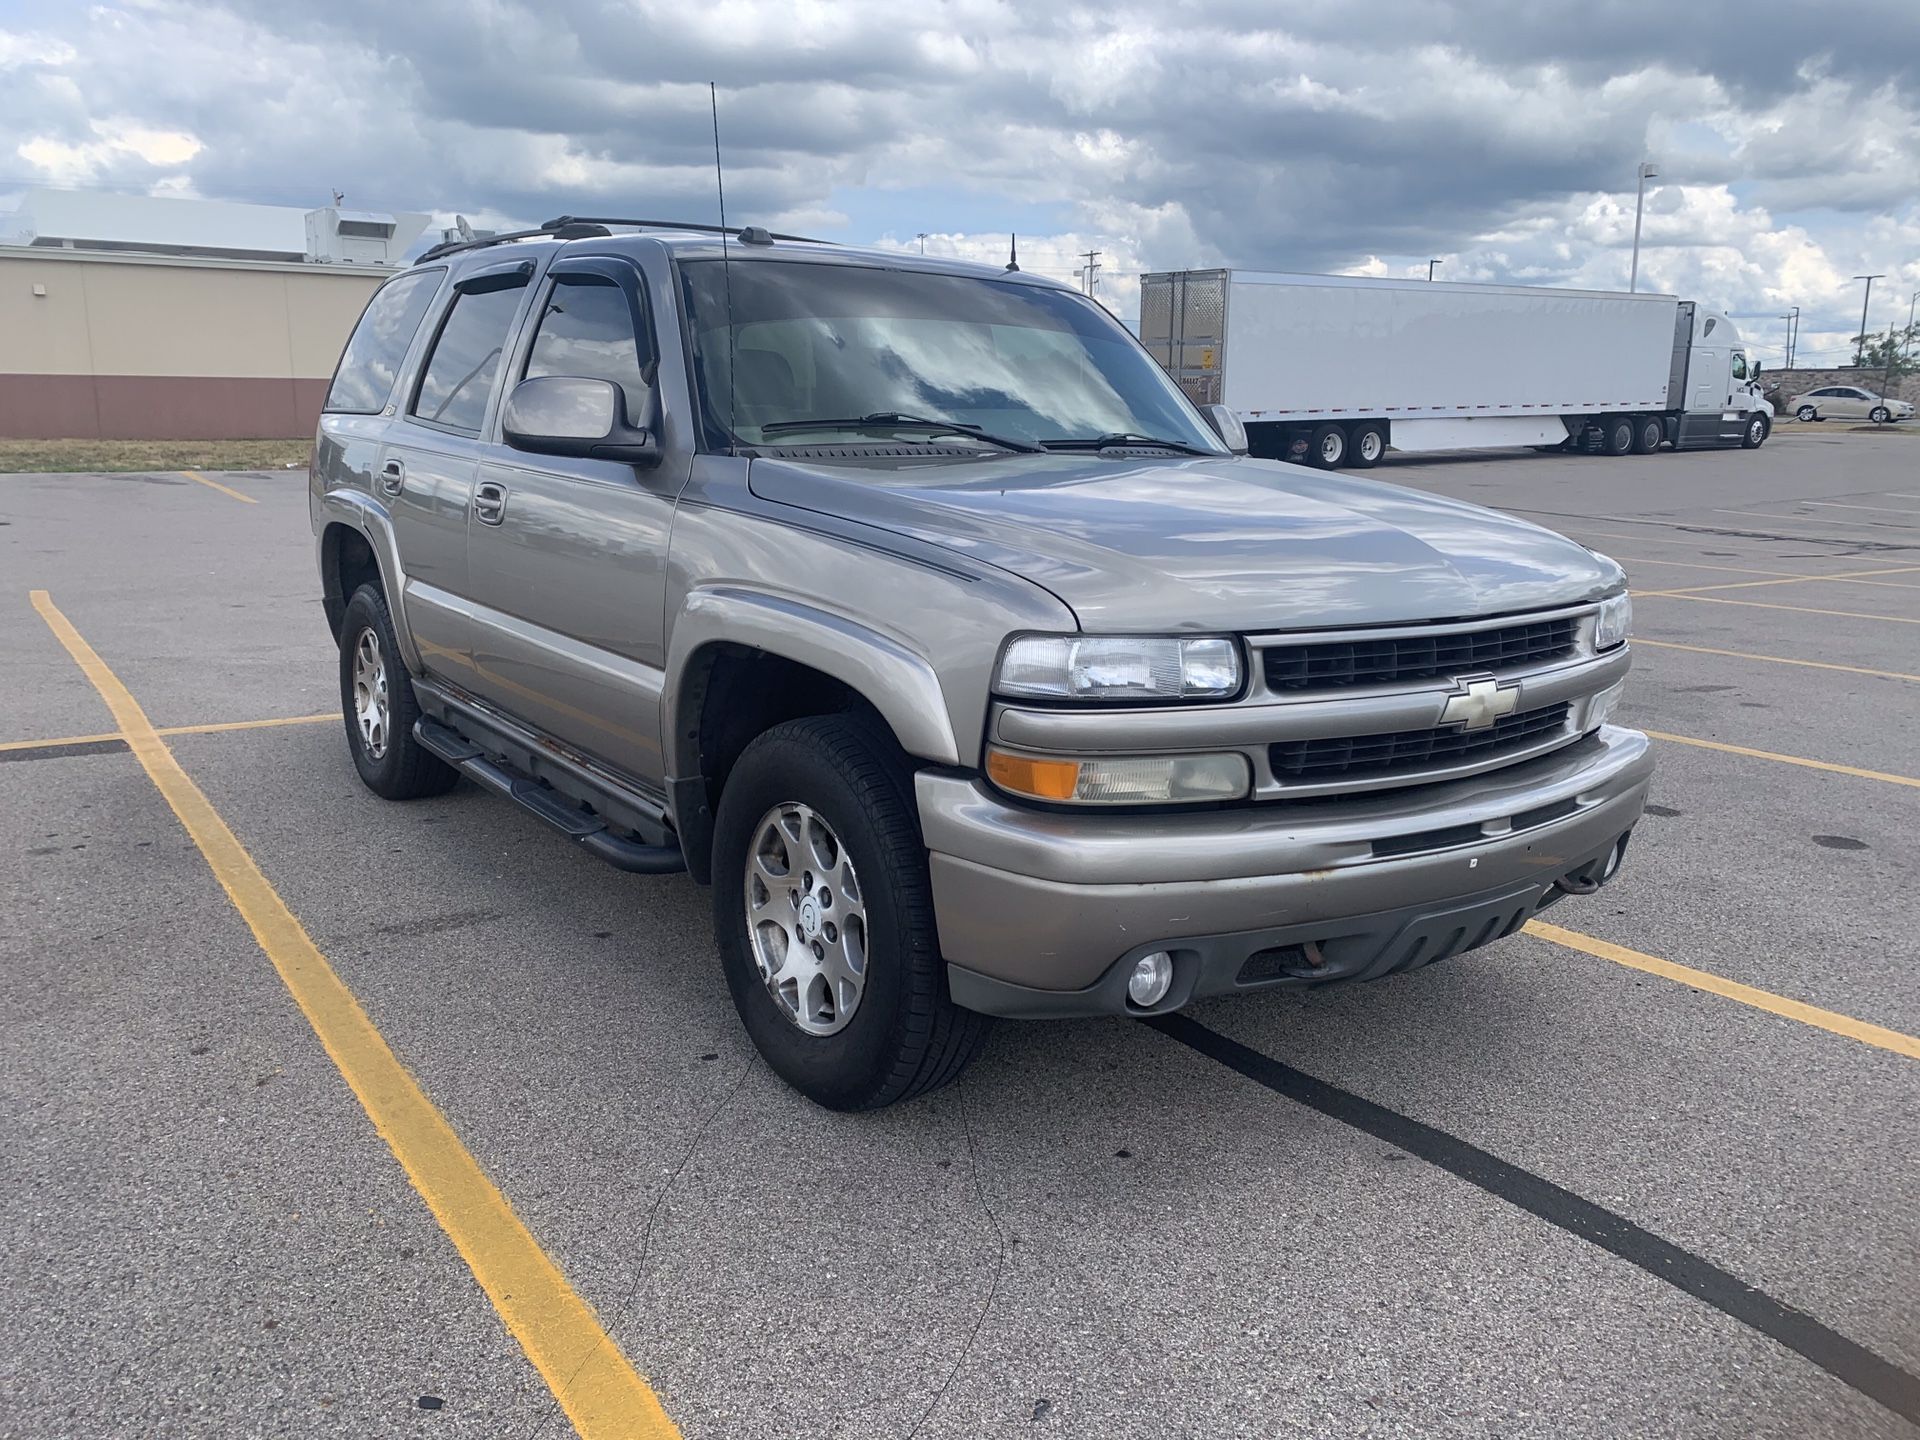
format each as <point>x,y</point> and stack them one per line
<point>1648,171</point>
<point>1792,318</point>
<point>1910,299</point>
<point>922,238</point>
<point>1860,350</point>
<point>1430,265</point>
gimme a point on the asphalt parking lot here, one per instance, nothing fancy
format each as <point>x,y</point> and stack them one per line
<point>1554,1188</point>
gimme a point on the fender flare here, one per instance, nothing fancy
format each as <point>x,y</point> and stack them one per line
<point>901,685</point>
<point>369,518</point>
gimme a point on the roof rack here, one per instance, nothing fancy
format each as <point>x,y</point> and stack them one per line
<point>578,227</point>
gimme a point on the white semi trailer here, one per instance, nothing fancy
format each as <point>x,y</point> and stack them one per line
<point>1335,369</point>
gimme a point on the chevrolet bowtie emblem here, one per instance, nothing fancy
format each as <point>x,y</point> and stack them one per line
<point>1477,703</point>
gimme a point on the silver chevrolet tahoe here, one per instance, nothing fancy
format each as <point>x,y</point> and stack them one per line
<point>913,608</point>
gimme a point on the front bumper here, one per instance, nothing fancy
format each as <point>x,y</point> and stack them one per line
<point>1042,913</point>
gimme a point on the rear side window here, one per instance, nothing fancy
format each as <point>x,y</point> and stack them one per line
<point>588,330</point>
<point>464,366</point>
<point>364,382</point>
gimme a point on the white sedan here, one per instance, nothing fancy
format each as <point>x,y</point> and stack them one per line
<point>1848,402</point>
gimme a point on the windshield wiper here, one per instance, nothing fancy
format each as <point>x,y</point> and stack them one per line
<point>1102,442</point>
<point>893,420</point>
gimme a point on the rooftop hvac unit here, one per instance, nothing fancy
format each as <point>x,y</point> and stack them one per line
<point>355,237</point>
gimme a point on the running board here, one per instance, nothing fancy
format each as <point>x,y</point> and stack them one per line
<point>580,825</point>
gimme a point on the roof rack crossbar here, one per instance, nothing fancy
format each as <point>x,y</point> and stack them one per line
<point>677,225</point>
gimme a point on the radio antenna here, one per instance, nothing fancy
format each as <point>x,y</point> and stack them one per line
<point>726,268</point>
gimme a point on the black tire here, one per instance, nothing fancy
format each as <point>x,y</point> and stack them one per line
<point>1880,415</point>
<point>1327,448</point>
<point>1806,414</point>
<point>1648,432</point>
<point>906,1035</point>
<point>404,769</point>
<point>1616,435</point>
<point>1366,444</point>
<point>1755,435</point>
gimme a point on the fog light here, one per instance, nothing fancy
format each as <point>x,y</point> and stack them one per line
<point>1152,977</point>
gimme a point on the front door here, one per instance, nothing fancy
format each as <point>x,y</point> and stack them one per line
<point>568,556</point>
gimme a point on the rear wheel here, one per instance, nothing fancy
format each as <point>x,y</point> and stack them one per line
<point>1880,415</point>
<point>1366,445</point>
<point>377,700</point>
<point>824,914</point>
<point>1806,413</point>
<point>1616,435</point>
<point>1328,447</point>
<point>1648,432</point>
<point>1756,432</point>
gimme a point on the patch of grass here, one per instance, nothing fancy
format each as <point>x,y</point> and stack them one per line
<point>33,457</point>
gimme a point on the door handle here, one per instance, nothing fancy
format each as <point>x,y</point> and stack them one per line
<point>490,503</point>
<point>393,475</point>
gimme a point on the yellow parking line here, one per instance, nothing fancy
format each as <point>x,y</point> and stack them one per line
<point>1699,565</point>
<point>1764,605</point>
<point>1810,519</point>
<point>1695,534</point>
<point>1831,1020</point>
<point>1640,640</point>
<point>594,1383</point>
<point>216,485</point>
<point>1855,770</point>
<point>174,730</point>
<point>1794,580</point>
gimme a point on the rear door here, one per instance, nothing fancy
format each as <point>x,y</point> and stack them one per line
<point>567,556</point>
<point>427,468</point>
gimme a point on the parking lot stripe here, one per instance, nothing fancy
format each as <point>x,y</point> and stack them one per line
<point>1848,1361</point>
<point>1639,640</point>
<point>1701,565</point>
<point>1844,575</point>
<point>216,485</point>
<point>1766,605</point>
<point>1811,519</point>
<point>596,1386</point>
<point>1890,509</point>
<point>212,729</point>
<point>1877,1036</point>
<point>1854,770</point>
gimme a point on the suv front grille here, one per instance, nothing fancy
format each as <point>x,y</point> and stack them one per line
<point>1312,761</point>
<point>1334,663</point>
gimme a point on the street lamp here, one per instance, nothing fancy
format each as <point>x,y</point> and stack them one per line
<point>1648,171</point>
<point>922,238</point>
<point>1430,265</point>
<point>1860,350</point>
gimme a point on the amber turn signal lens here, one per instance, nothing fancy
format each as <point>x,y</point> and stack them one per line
<point>1027,775</point>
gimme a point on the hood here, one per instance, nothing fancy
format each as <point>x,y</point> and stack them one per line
<point>1229,544</point>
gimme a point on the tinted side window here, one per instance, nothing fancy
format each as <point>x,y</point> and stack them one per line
<point>587,329</point>
<point>371,363</point>
<point>464,365</point>
<point>1739,366</point>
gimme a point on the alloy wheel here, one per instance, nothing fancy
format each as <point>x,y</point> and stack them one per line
<point>370,704</point>
<point>806,919</point>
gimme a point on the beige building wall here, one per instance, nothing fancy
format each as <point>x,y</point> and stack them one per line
<point>99,345</point>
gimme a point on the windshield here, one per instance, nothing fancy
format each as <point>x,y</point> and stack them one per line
<point>817,342</point>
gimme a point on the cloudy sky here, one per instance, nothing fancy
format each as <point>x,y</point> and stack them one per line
<point>1500,136</point>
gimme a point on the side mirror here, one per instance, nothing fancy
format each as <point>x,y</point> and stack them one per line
<point>1756,368</point>
<point>574,415</point>
<point>1227,426</point>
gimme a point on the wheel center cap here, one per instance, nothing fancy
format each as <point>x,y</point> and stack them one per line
<point>810,917</point>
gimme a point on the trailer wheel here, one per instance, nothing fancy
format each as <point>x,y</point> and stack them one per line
<point>1648,432</point>
<point>1327,450</point>
<point>1367,444</point>
<point>1806,414</point>
<point>1616,435</point>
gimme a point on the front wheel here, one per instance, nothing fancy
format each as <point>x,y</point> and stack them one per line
<point>1806,414</point>
<point>823,911</point>
<point>377,700</point>
<point>1880,415</point>
<point>1755,434</point>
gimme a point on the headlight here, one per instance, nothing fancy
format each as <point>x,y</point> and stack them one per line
<point>1122,780</point>
<point>1120,667</point>
<point>1614,623</point>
